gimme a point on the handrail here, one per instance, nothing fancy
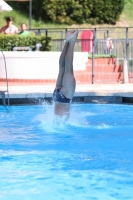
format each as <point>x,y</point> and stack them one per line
<point>6,78</point>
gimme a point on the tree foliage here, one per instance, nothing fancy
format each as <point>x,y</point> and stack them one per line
<point>78,11</point>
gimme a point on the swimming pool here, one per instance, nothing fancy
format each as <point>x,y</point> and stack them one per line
<point>90,157</point>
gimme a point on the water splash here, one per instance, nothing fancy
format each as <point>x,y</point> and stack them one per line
<point>103,126</point>
<point>51,123</point>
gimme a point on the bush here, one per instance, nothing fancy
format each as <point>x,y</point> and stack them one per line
<point>76,11</point>
<point>7,42</point>
<point>102,56</point>
<point>106,11</point>
<point>81,11</point>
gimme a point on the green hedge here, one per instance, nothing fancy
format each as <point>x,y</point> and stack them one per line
<point>102,56</point>
<point>7,42</point>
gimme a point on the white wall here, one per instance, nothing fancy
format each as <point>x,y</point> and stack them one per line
<point>36,65</point>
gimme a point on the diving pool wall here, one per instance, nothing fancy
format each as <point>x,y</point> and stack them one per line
<point>35,66</point>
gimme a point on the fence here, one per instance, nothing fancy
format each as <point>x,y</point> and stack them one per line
<point>99,70</point>
<point>101,33</point>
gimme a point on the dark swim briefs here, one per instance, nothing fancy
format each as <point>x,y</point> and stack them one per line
<point>59,97</point>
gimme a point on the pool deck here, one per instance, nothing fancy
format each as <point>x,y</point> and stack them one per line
<point>87,91</point>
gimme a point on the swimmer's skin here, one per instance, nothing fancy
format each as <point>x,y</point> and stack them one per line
<point>66,81</point>
<point>62,109</point>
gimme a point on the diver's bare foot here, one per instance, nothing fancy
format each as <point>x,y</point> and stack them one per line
<point>72,36</point>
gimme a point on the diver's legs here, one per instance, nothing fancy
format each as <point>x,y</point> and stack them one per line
<point>68,81</point>
<point>61,66</point>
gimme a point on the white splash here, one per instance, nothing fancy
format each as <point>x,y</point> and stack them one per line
<point>103,126</point>
<point>50,123</point>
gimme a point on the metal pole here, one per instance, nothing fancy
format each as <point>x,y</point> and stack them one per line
<point>30,14</point>
<point>127,45</point>
<point>125,72</point>
<point>126,63</point>
<point>93,55</point>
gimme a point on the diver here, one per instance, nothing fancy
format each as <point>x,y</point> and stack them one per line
<point>65,84</point>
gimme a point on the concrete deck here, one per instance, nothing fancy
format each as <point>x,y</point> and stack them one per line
<point>86,92</point>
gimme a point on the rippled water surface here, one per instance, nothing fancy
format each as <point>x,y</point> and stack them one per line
<point>88,158</point>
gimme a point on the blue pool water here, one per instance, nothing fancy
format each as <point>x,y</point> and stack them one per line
<point>89,158</point>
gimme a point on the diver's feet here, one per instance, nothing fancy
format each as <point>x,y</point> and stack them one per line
<point>72,36</point>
